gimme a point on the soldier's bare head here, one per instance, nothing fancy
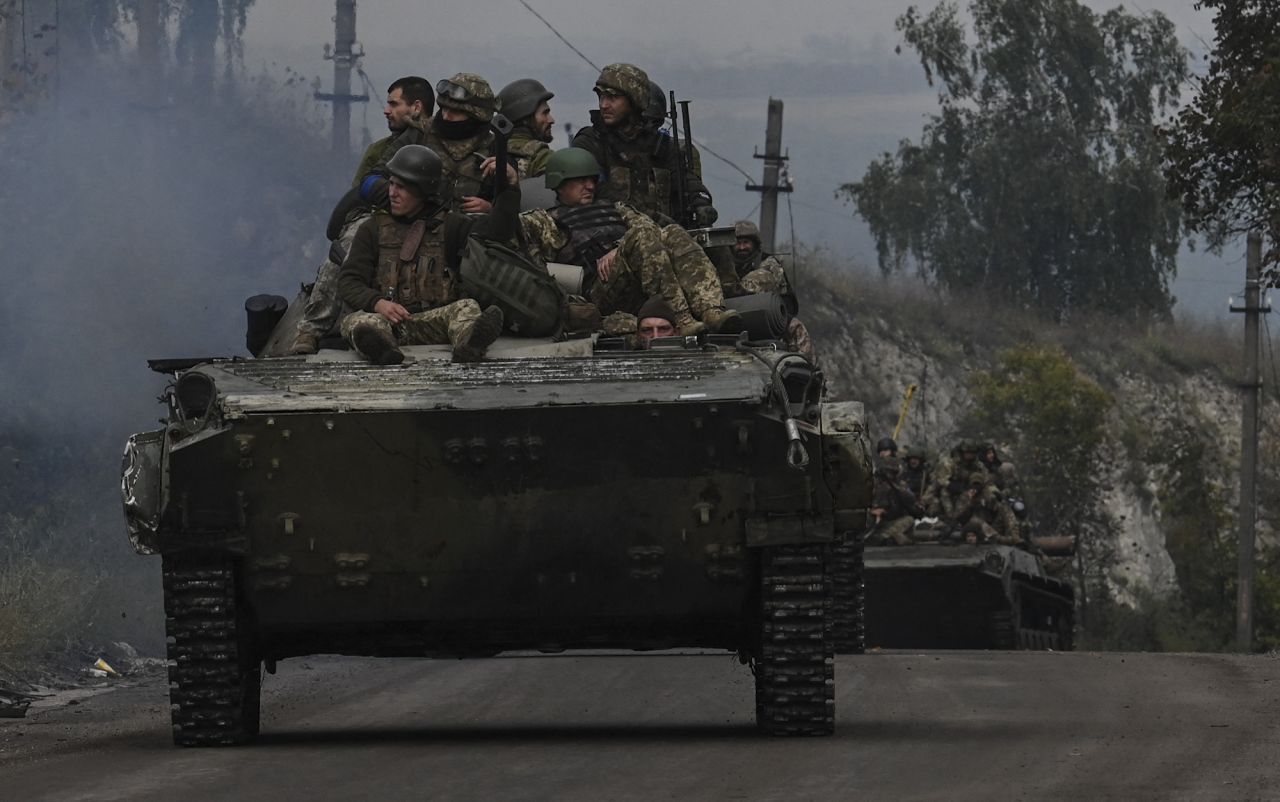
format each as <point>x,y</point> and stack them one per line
<point>406,97</point>
<point>404,200</point>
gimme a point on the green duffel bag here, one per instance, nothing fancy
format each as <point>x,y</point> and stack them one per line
<point>531,301</point>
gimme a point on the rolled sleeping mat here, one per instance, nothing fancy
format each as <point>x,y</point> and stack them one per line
<point>569,277</point>
<point>764,314</point>
<point>263,312</point>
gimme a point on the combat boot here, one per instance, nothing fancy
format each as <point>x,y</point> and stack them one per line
<point>687,326</point>
<point>375,345</point>
<point>304,343</point>
<point>471,346</point>
<point>723,321</point>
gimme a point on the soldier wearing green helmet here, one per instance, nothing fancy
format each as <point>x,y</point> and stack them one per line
<point>626,257</point>
<point>642,166</point>
<point>526,103</point>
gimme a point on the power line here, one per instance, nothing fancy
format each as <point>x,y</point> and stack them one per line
<point>559,35</point>
<point>583,56</point>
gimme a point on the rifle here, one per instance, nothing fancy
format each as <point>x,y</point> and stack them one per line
<point>682,204</point>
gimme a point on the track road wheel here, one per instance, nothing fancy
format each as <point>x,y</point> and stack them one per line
<point>795,670</point>
<point>215,678</point>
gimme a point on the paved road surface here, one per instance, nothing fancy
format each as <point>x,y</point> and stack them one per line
<point>946,726</point>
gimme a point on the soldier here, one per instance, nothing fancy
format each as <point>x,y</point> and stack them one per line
<point>1002,471</point>
<point>641,165</point>
<point>526,104</point>
<point>460,135</point>
<point>915,472</point>
<point>655,319</point>
<point>409,106</point>
<point>983,517</point>
<point>757,271</point>
<point>886,447</point>
<point>627,258</point>
<point>401,271</point>
<point>894,507</point>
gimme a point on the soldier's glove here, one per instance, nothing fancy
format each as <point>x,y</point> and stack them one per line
<point>373,190</point>
<point>705,215</point>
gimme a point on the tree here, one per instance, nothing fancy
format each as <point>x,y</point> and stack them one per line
<point>1053,419</point>
<point>1039,178</point>
<point>1224,153</point>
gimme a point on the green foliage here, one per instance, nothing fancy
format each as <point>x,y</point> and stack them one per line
<point>1224,155</point>
<point>1036,399</point>
<point>1039,178</point>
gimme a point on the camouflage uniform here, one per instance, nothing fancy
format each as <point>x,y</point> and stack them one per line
<point>385,263</point>
<point>528,154</point>
<point>641,165</point>
<point>644,266</point>
<point>323,306</point>
<point>899,504</point>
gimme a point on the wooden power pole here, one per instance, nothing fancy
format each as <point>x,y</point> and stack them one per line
<point>769,189</point>
<point>345,57</point>
<point>1250,387</point>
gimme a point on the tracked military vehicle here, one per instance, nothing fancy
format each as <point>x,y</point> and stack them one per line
<point>953,595</point>
<point>560,495</point>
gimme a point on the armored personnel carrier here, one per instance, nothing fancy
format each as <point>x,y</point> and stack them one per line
<point>560,495</point>
<point>943,595</point>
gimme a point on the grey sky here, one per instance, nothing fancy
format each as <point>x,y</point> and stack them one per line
<point>848,96</point>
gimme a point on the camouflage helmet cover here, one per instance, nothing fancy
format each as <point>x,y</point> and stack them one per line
<point>628,79</point>
<point>569,163</point>
<point>417,166</point>
<point>521,98</point>
<point>746,228</point>
<point>480,102</point>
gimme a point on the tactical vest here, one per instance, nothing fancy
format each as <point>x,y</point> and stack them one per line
<point>639,171</point>
<point>593,230</point>
<point>460,162</point>
<point>414,275</point>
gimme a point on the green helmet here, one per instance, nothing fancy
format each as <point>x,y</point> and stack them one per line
<point>520,99</point>
<point>570,163</point>
<point>628,79</point>
<point>417,166</point>
<point>746,228</point>
<point>468,93</point>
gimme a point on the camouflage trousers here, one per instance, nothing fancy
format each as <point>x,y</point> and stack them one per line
<point>444,325</point>
<point>798,340</point>
<point>693,270</point>
<point>324,307</point>
<point>896,532</point>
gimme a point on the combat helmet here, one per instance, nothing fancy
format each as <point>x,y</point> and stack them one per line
<point>569,163</point>
<point>628,79</point>
<point>655,111</point>
<point>468,93</point>
<point>746,228</point>
<point>521,98</point>
<point>886,444</point>
<point>419,167</point>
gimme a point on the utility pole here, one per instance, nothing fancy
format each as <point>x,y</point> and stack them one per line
<point>773,160</point>
<point>1249,443</point>
<point>149,42</point>
<point>346,55</point>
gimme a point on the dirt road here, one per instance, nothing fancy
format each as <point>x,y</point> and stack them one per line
<point>909,726</point>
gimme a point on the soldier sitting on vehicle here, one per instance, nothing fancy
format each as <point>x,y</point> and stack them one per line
<point>981,516</point>
<point>915,472</point>
<point>894,508</point>
<point>760,273</point>
<point>626,257</point>
<point>1001,471</point>
<point>401,273</point>
<point>409,106</point>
